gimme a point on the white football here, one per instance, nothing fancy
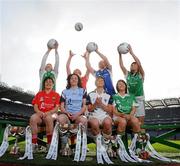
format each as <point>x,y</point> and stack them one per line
<point>91,47</point>
<point>78,26</point>
<point>52,43</point>
<point>123,48</point>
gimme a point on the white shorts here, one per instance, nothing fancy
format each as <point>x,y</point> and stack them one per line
<point>100,117</point>
<point>140,109</point>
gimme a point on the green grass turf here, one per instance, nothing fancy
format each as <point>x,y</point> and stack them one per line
<point>39,158</point>
<point>158,147</point>
<point>167,149</point>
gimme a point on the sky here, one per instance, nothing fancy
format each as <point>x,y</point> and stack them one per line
<point>152,27</point>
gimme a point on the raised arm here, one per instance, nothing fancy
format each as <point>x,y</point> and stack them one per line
<point>68,70</point>
<point>88,65</point>
<point>87,74</point>
<point>105,59</point>
<point>44,59</point>
<point>124,70</point>
<point>87,71</point>
<point>56,66</point>
<point>141,70</point>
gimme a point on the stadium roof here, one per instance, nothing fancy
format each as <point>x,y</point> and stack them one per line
<point>163,103</point>
<point>15,94</point>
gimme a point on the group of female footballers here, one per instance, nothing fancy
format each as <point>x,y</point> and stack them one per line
<point>98,110</point>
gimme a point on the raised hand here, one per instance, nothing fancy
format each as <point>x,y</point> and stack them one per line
<point>130,49</point>
<point>85,55</point>
<point>71,53</point>
<point>49,49</point>
<point>56,45</point>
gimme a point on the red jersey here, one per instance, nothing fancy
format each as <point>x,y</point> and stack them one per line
<point>46,102</point>
<point>84,82</point>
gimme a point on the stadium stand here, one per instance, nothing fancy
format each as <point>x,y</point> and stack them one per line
<point>158,111</point>
<point>162,120</point>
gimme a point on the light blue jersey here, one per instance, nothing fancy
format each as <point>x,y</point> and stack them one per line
<point>73,99</point>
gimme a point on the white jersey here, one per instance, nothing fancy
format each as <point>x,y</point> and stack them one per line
<point>105,98</point>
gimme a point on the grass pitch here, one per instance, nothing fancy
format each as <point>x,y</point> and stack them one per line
<point>39,158</point>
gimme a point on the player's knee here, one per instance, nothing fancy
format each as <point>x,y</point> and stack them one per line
<point>48,118</point>
<point>48,122</point>
<point>107,123</point>
<point>135,121</point>
<point>33,119</point>
<point>123,122</point>
<point>93,123</point>
<point>122,126</point>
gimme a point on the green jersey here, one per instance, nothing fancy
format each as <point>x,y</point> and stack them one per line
<point>124,103</point>
<point>50,74</point>
<point>135,84</point>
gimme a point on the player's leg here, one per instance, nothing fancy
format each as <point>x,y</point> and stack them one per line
<point>48,120</point>
<point>93,123</point>
<point>140,110</point>
<point>82,119</point>
<point>35,120</point>
<point>121,125</point>
<point>134,123</point>
<point>107,127</point>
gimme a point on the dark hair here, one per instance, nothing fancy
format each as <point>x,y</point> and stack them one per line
<point>133,63</point>
<point>46,80</point>
<point>124,83</point>
<point>68,81</point>
<point>137,65</point>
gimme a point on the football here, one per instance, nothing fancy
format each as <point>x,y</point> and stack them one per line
<point>52,43</point>
<point>91,47</point>
<point>123,48</point>
<point>78,26</point>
